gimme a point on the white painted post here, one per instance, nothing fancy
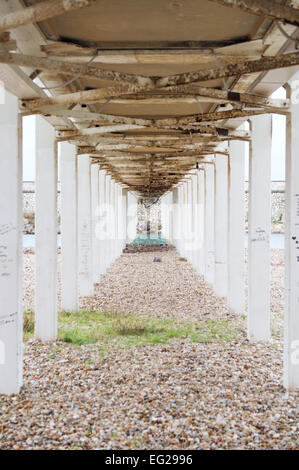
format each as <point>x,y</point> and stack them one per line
<point>118,219</point>
<point>201,221</point>
<point>165,216</point>
<point>175,216</point>
<point>170,215</point>
<point>107,215</point>
<point>69,228</point>
<point>10,247</point>
<point>259,220</point>
<point>181,219</point>
<point>114,221</point>
<point>185,220</point>
<point>124,216</point>
<point>101,219</point>
<point>196,227</point>
<point>291,339</point>
<point>236,221</point>
<point>209,234</point>
<point>94,219</point>
<point>221,176</point>
<point>132,217</point>
<point>85,274</point>
<point>46,232</point>
<point>110,221</point>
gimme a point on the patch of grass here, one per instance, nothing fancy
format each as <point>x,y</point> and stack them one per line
<point>87,327</point>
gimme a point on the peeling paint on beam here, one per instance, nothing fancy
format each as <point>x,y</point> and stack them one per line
<point>208,117</point>
<point>80,97</point>
<point>69,68</point>
<point>251,66</point>
<point>40,12</point>
<point>267,8</point>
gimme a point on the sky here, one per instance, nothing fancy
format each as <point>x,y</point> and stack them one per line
<point>278,146</point>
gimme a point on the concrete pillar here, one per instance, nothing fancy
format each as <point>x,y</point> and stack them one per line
<point>165,215</point>
<point>194,223</point>
<point>236,221</point>
<point>110,221</point>
<point>185,219</point>
<point>181,219</point>
<point>259,229</point>
<point>189,222</point>
<point>201,221</point>
<point>291,339</point>
<point>221,186</point>
<point>46,232</point>
<point>132,216</point>
<point>209,245</point>
<point>124,202</point>
<point>101,221</point>
<point>175,216</point>
<point>114,221</point>
<point>69,228</point>
<point>94,175</point>
<point>118,219</point>
<point>85,264</point>
<point>11,219</point>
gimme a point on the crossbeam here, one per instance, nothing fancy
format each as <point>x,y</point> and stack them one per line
<point>69,68</point>
<point>40,12</point>
<point>250,66</point>
<point>267,8</point>
<point>81,97</point>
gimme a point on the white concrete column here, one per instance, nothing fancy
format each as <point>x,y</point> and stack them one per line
<point>46,232</point>
<point>118,219</point>
<point>181,219</point>
<point>201,221</point>
<point>110,222</point>
<point>185,219</point>
<point>106,214</point>
<point>209,234</point>
<point>101,222</point>
<point>236,221</point>
<point>124,201</point>
<point>221,216</point>
<point>69,227</point>
<point>189,216</point>
<point>85,274</point>
<point>94,175</point>
<point>132,217</point>
<point>291,319</point>
<point>165,216</point>
<point>114,221</point>
<point>175,216</point>
<point>259,229</point>
<point>11,245</point>
<point>195,221</point>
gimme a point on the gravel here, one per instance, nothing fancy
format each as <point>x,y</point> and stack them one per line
<point>179,395</point>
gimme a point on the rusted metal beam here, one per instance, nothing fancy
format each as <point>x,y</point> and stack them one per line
<point>267,8</point>
<point>80,97</point>
<point>40,12</point>
<point>69,68</point>
<point>207,117</point>
<point>250,66</point>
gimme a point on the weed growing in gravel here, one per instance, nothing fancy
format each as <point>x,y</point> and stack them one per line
<point>96,327</point>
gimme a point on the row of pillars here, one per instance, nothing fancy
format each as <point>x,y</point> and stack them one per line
<point>97,216</point>
<point>207,225</point>
<point>210,204</point>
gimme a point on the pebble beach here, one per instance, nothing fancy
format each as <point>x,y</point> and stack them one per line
<point>179,395</point>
